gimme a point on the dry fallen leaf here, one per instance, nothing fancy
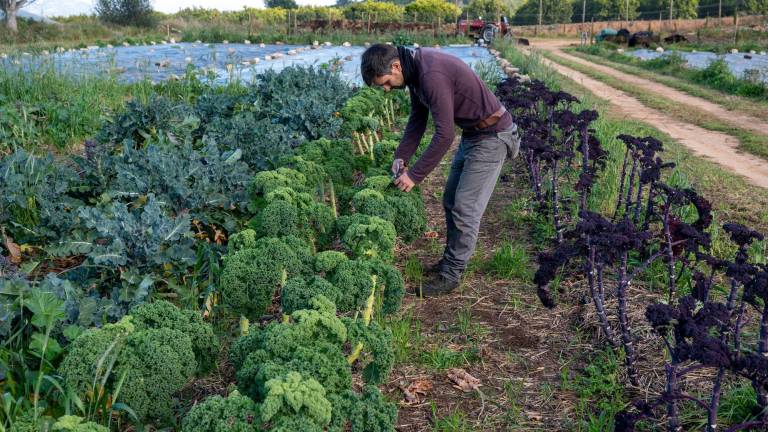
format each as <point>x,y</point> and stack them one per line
<point>533,415</point>
<point>14,250</point>
<point>463,380</point>
<point>430,234</point>
<point>416,388</point>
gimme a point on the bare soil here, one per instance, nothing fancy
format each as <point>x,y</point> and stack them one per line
<point>715,146</point>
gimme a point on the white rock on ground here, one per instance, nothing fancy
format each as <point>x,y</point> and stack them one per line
<point>292,52</point>
<point>620,50</point>
<point>198,41</point>
<point>415,45</point>
<point>173,40</point>
<point>225,42</point>
<point>346,44</point>
<point>659,49</point>
<point>261,45</point>
<point>734,51</point>
<point>188,59</point>
<point>231,50</point>
<point>266,57</point>
<point>315,43</point>
<point>247,42</point>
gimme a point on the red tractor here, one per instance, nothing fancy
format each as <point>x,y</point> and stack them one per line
<point>484,31</point>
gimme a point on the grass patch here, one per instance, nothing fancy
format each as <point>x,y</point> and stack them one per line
<point>441,358</point>
<point>750,142</point>
<point>453,422</point>
<point>406,337</point>
<point>511,262</point>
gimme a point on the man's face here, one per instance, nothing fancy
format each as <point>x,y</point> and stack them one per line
<point>392,80</point>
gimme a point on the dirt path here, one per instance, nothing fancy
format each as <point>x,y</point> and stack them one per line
<point>716,146</point>
<point>514,346</point>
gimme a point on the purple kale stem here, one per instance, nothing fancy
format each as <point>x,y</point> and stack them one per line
<point>555,207</point>
<point>638,201</point>
<point>748,425</point>
<point>737,329</point>
<point>649,208</point>
<point>584,162</point>
<point>673,420</point>
<point>621,185</point>
<point>598,296</point>
<point>630,186</point>
<point>626,335</point>
<point>670,255</point>
<point>762,349</point>
<point>714,401</point>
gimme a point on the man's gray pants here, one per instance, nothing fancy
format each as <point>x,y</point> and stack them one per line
<point>474,172</point>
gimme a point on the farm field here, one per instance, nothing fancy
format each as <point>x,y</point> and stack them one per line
<point>214,244</point>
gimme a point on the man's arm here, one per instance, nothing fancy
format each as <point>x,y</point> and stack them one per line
<point>414,130</point>
<point>438,90</point>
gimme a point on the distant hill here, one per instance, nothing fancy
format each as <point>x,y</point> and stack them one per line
<point>56,8</point>
<point>29,15</point>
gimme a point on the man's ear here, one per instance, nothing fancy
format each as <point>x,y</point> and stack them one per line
<point>396,66</point>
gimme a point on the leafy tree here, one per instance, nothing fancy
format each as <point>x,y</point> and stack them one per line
<point>552,12</point>
<point>617,9</point>
<point>756,6</point>
<point>285,4</point>
<point>488,9</point>
<point>383,11</point>
<point>431,10</point>
<point>11,8</point>
<point>126,12</point>
<point>681,9</point>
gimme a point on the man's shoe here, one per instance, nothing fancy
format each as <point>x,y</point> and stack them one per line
<point>438,285</point>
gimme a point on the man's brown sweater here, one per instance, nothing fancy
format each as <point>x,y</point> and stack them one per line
<point>454,94</point>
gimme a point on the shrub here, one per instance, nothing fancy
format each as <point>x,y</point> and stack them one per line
<point>235,413</point>
<point>126,12</point>
<point>163,314</point>
<point>298,293</point>
<point>71,423</point>
<point>368,236</point>
<point>157,363</point>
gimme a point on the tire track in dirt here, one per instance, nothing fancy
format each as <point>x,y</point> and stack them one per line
<point>741,120</point>
<point>715,146</point>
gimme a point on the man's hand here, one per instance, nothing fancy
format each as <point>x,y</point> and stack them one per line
<point>404,182</point>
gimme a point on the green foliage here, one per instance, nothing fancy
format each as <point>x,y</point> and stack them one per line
<point>368,236</point>
<point>163,314</point>
<point>294,395</point>
<point>384,11</point>
<point>251,276</point>
<point>126,12</point>
<point>354,279</point>
<point>379,356</point>
<point>511,262</point>
<point>36,197</point>
<point>265,182</point>
<point>93,353</point>
<point>235,413</point>
<point>245,239</point>
<point>433,10</point>
<point>298,293</point>
<point>366,412</point>
<point>553,11</point>
<point>310,343</point>
<point>285,4</point>
<point>156,364</point>
<point>327,261</point>
<point>488,9</point>
<point>336,157</point>
<point>71,423</point>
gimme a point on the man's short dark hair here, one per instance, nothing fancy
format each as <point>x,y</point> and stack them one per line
<point>377,60</point>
